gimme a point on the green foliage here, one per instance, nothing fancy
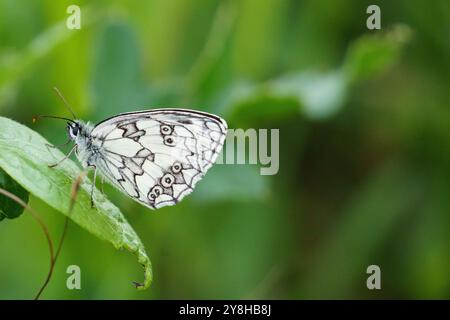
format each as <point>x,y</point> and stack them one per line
<point>363,118</point>
<point>9,208</point>
<point>117,46</point>
<point>317,95</point>
<point>371,55</point>
<point>26,156</point>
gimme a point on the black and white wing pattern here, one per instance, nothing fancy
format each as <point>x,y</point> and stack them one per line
<point>157,156</point>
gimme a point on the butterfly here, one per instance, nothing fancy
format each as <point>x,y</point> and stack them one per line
<point>156,157</point>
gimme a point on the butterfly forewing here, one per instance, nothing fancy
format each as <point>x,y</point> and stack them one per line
<point>158,156</point>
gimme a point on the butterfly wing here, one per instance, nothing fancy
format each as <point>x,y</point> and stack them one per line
<point>158,156</point>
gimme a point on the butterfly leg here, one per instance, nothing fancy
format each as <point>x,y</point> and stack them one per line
<point>48,145</point>
<point>65,158</point>
<point>93,186</point>
<point>102,184</point>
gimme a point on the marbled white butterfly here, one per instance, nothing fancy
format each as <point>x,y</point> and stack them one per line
<point>156,157</point>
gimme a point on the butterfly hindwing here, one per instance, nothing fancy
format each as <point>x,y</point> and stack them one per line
<point>158,156</point>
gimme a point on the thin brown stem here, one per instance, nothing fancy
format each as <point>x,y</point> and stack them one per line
<point>73,195</point>
<point>53,257</point>
<point>44,228</point>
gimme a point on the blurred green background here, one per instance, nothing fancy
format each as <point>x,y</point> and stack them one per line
<point>364,144</point>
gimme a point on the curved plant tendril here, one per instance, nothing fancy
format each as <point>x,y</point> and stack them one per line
<point>73,196</point>
<point>53,256</point>
<point>25,156</point>
<point>44,228</point>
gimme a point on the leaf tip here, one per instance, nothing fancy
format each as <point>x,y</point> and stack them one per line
<point>148,276</point>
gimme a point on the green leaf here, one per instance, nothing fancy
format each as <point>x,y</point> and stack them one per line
<point>25,157</point>
<point>9,208</point>
<point>317,95</point>
<point>373,54</point>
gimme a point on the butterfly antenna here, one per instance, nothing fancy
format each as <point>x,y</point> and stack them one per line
<point>36,118</point>
<point>65,102</point>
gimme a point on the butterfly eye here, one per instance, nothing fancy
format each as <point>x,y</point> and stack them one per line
<point>73,130</point>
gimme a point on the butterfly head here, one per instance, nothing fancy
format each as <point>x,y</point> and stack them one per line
<point>73,129</point>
